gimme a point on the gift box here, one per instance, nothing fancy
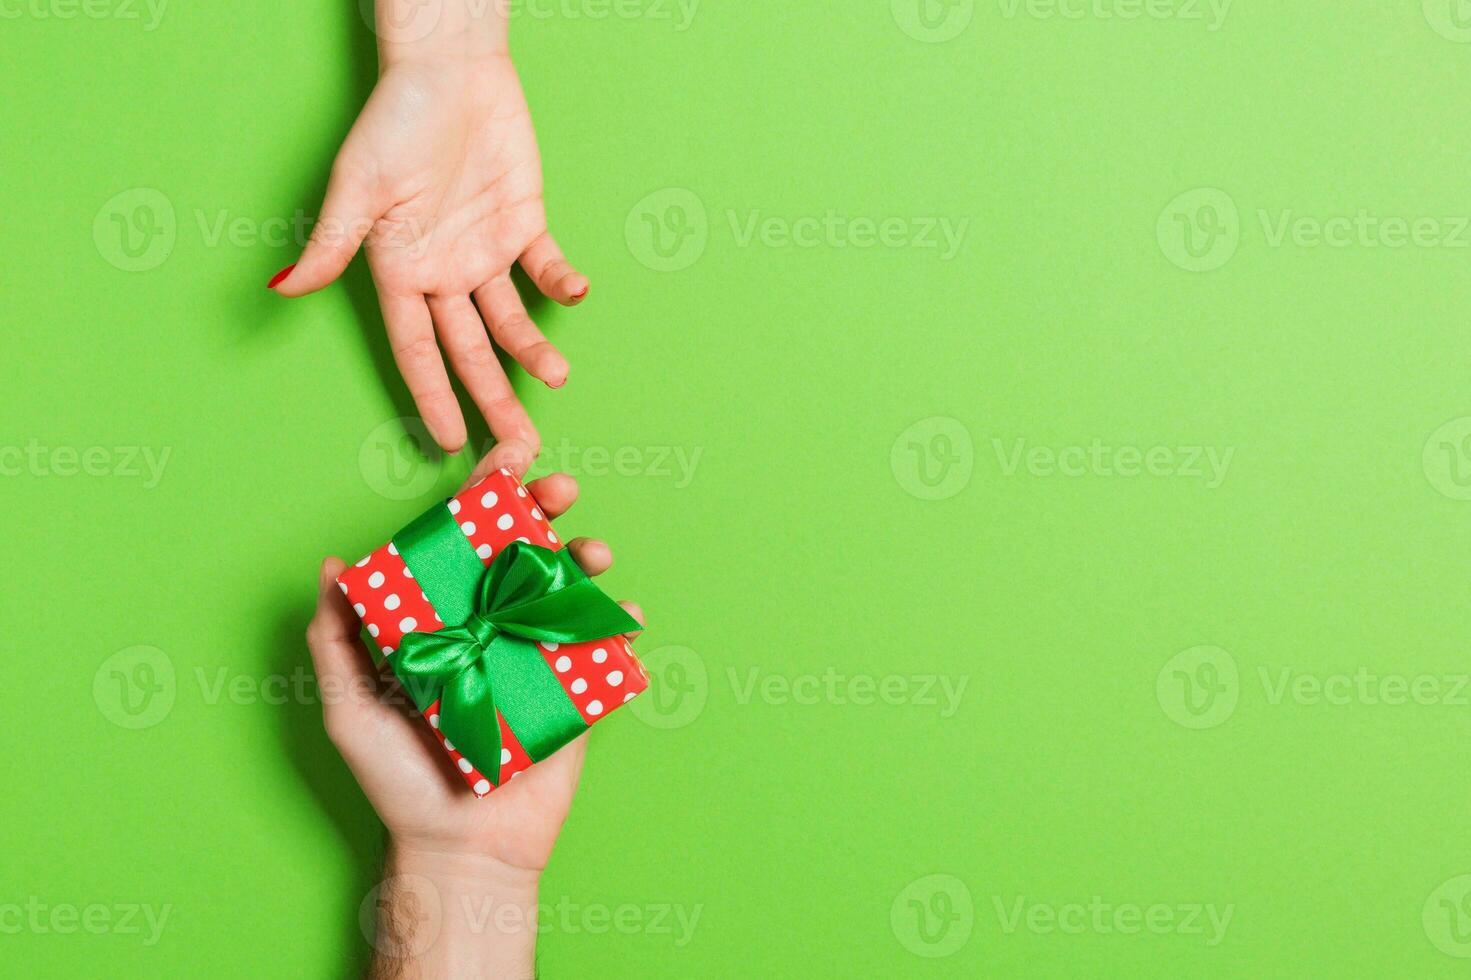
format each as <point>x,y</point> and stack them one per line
<point>504,645</point>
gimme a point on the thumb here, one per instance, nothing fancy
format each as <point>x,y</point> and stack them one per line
<point>347,216</point>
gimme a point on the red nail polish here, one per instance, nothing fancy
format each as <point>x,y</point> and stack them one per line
<point>280,276</point>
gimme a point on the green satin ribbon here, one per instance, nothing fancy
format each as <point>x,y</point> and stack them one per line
<point>486,660</point>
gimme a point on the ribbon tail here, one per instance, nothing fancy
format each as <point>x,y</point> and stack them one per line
<point>467,717</point>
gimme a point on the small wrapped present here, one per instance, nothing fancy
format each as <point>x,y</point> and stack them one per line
<point>507,648</point>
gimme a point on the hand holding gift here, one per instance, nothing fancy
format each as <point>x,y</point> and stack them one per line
<point>401,760</point>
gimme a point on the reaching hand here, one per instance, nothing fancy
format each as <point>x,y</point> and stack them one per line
<point>441,176</point>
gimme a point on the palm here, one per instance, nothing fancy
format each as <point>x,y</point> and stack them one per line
<point>458,156</point>
<point>422,799</point>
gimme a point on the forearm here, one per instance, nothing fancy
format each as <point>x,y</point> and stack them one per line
<point>435,30</point>
<point>454,916</point>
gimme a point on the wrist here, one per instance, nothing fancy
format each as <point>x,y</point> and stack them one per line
<point>439,31</point>
<point>459,868</point>
<point>451,913</point>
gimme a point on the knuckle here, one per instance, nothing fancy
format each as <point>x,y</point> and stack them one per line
<point>480,357</point>
<point>436,401</point>
<point>416,349</point>
<point>507,407</point>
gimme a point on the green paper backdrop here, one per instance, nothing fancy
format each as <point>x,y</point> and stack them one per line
<point>1069,400</point>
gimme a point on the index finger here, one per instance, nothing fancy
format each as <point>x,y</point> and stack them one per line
<point>411,336</point>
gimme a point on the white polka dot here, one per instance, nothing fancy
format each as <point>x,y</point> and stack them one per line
<point>408,624</point>
<point>434,720</point>
<point>465,765</point>
<point>468,527</point>
<point>375,580</point>
<point>550,647</point>
<point>360,609</point>
<point>372,629</point>
<point>615,677</point>
<point>505,472</point>
<point>564,664</point>
<point>343,587</point>
<point>437,619</point>
<point>483,551</point>
<point>488,501</point>
<point>392,602</point>
<point>407,573</point>
<point>629,697</point>
<point>362,561</point>
<point>524,539</point>
<point>454,506</point>
<point>551,537</point>
<point>504,522</point>
<point>517,773</point>
<point>599,655</point>
<point>520,491</point>
<point>387,651</point>
<point>392,548</point>
<point>482,787</point>
<point>448,746</point>
<point>423,595</point>
<point>595,708</point>
<point>536,513</point>
<point>579,685</point>
<point>505,756</point>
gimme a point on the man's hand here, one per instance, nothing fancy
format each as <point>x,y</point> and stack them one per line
<point>441,176</point>
<point>468,850</point>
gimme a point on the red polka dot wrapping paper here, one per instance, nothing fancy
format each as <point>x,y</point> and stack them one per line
<point>598,676</point>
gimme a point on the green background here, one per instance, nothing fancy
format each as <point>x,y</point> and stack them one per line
<point>812,382</point>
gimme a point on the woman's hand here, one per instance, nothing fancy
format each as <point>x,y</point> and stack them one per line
<point>468,851</point>
<point>441,177</point>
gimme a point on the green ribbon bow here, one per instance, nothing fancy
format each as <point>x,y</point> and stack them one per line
<point>486,659</point>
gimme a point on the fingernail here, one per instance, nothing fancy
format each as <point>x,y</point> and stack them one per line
<point>559,384</point>
<point>578,296</point>
<point>277,279</point>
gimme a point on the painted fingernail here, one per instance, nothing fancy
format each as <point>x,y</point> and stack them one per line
<point>279,277</point>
